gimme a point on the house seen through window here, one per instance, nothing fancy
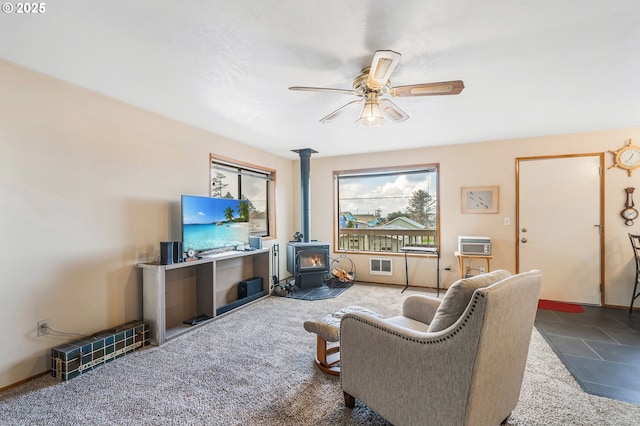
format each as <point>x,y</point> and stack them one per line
<point>231,179</point>
<point>382,210</point>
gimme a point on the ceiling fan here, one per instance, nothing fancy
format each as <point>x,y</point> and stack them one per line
<point>373,84</point>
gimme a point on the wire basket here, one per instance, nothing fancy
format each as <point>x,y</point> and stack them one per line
<point>342,272</point>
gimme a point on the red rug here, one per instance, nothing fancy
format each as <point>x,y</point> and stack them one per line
<point>550,305</point>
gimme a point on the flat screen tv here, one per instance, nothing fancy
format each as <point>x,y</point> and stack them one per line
<point>211,224</point>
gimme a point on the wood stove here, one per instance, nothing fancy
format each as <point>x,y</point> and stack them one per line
<point>308,263</point>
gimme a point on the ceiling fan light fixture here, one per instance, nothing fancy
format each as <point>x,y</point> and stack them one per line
<point>374,82</point>
<point>371,115</point>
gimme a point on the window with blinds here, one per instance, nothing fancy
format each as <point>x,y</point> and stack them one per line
<point>234,179</point>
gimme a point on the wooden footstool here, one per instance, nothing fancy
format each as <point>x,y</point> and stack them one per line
<point>327,329</point>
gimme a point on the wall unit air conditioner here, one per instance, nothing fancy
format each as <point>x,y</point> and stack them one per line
<point>474,245</point>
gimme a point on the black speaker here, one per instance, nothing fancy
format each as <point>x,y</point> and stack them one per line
<point>178,255</point>
<point>166,253</point>
<point>249,287</point>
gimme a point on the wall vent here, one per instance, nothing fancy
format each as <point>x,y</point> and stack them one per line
<point>379,266</point>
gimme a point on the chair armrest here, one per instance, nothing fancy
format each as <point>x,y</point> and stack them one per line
<point>420,308</point>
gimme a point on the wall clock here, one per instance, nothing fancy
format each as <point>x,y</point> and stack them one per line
<point>629,213</point>
<point>627,157</point>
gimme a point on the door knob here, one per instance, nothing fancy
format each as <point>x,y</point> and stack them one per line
<point>524,240</point>
<point>524,229</point>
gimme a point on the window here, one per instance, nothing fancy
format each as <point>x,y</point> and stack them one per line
<point>382,210</point>
<point>232,179</point>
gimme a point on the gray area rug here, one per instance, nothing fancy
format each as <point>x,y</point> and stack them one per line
<point>255,366</point>
<point>325,291</point>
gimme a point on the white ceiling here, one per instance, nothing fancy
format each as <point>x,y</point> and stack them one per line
<point>531,68</point>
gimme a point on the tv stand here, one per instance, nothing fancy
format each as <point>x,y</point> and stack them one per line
<point>174,293</point>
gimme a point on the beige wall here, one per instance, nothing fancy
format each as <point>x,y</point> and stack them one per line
<point>88,188</point>
<point>481,164</point>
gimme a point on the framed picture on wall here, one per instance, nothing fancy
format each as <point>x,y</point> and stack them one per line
<point>479,199</point>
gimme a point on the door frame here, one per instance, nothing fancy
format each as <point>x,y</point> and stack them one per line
<point>600,155</point>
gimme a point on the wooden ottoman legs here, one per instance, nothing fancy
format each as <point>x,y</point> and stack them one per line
<point>328,356</point>
<point>327,329</point>
<point>349,401</point>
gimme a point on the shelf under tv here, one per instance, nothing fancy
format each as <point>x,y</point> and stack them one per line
<point>209,286</point>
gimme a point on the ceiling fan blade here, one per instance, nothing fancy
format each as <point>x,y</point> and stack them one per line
<point>324,89</point>
<point>392,111</point>
<point>382,65</point>
<point>339,111</point>
<point>428,89</point>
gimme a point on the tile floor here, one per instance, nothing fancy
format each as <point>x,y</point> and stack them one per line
<point>600,347</point>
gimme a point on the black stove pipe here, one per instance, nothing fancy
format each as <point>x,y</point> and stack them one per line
<point>305,191</point>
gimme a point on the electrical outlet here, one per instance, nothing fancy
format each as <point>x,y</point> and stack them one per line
<point>481,269</point>
<point>43,327</point>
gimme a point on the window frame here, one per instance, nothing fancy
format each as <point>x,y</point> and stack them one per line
<point>252,169</point>
<point>377,171</point>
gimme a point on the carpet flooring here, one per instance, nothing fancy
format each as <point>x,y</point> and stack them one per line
<point>254,366</point>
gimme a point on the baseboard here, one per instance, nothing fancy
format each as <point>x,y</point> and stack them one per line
<point>23,381</point>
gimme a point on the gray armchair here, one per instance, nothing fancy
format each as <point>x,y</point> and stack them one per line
<point>459,361</point>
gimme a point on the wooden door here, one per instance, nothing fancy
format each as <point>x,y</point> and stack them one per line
<point>559,208</point>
